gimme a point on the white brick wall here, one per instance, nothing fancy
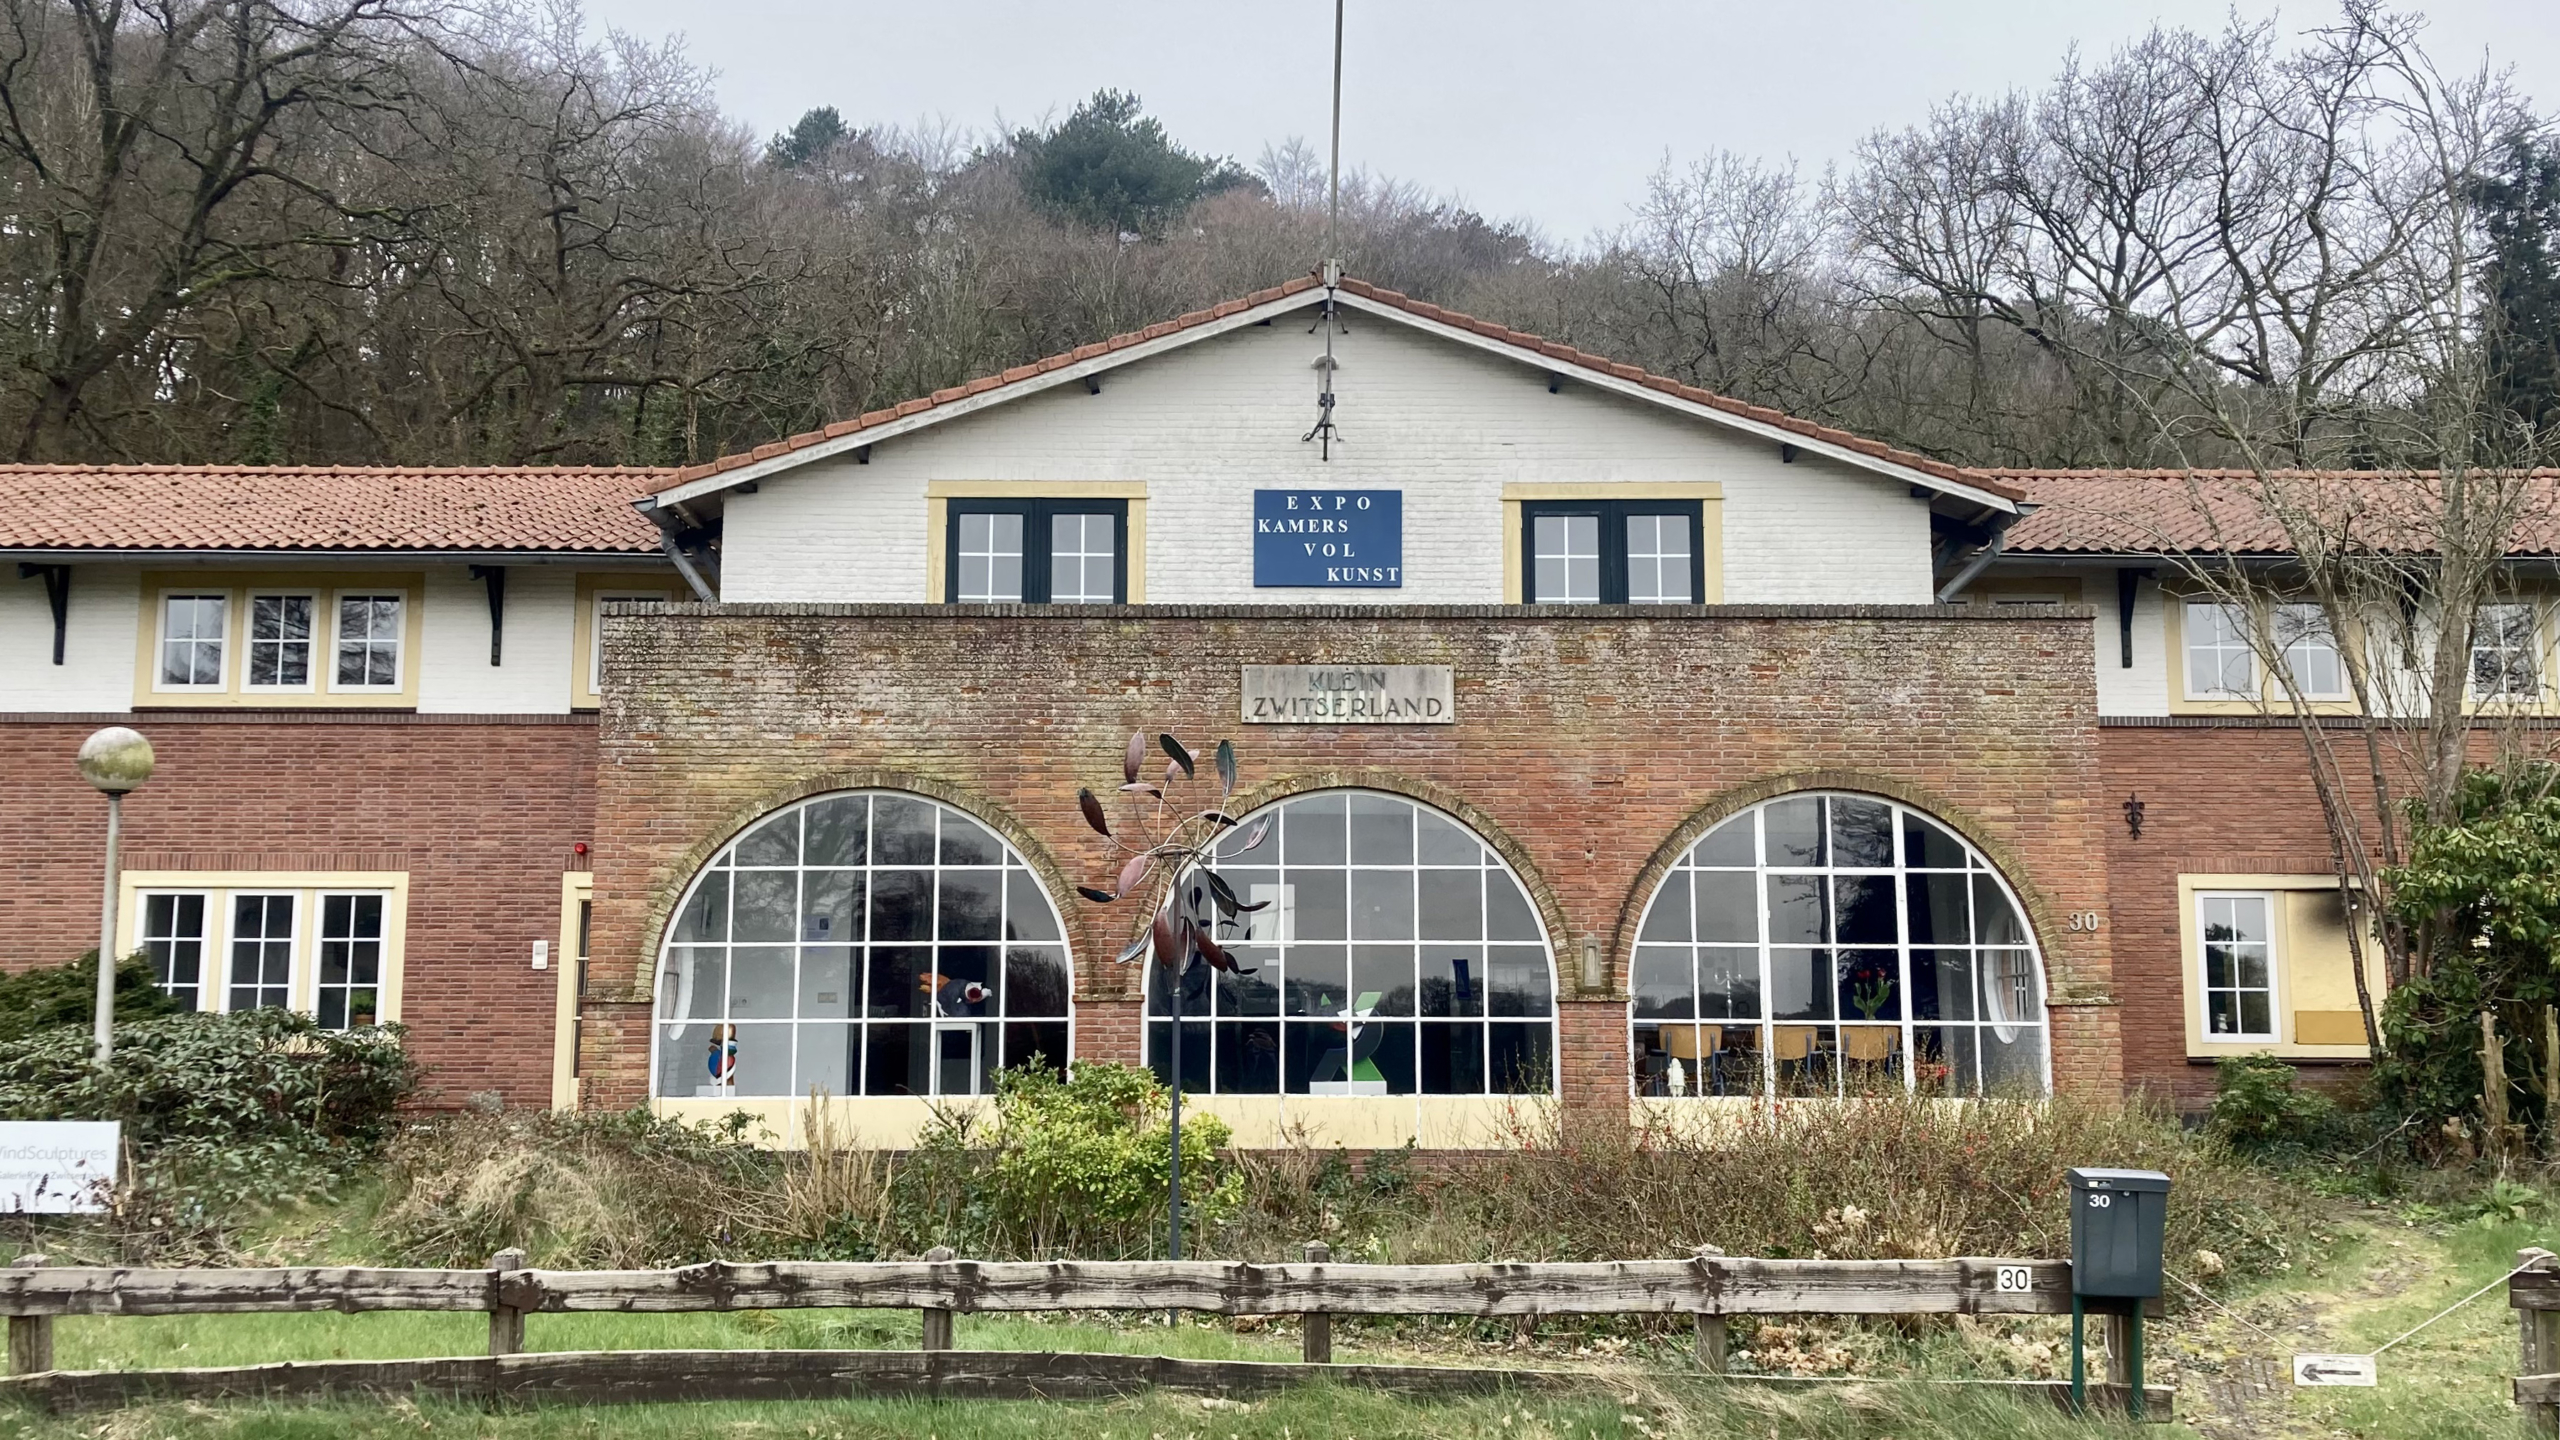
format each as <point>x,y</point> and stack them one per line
<point>1206,425</point>
<point>96,672</point>
<point>534,670</point>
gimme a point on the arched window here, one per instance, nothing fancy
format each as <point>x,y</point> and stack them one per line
<point>861,943</point>
<point>1398,956</point>
<point>1828,943</point>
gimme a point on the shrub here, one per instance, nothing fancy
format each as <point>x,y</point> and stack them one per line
<point>604,1190</point>
<point>261,1106</point>
<point>66,996</point>
<point>2258,1104</point>
<point>1081,1161</point>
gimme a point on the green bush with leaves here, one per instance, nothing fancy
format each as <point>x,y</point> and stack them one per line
<point>2259,1104</point>
<point>1081,1160</point>
<point>256,1106</point>
<point>2481,896</point>
<point>54,997</point>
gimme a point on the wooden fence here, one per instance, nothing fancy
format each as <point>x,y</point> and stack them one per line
<point>2533,1292</point>
<point>1707,1288</point>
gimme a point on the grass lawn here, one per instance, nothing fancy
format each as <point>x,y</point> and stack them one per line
<point>2376,1275</point>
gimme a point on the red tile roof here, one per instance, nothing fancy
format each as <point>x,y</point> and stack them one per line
<point>251,508</point>
<point>2150,512</point>
<point>1544,348</point>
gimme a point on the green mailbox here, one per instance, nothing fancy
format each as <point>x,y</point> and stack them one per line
<point>2117,1219</point>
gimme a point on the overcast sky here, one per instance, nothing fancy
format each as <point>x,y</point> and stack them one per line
<point>1548,111</point>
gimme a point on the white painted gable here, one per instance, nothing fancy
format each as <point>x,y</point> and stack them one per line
<point>1205,425</point>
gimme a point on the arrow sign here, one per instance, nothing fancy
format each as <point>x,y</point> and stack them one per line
<point>2335,1370</point>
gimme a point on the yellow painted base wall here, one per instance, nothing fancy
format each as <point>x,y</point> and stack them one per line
<point>1259,1122</point>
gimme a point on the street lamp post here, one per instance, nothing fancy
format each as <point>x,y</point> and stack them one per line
<point>115,760</point>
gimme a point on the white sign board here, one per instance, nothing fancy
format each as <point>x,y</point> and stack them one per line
<point>2335,1370</point>
<point>58,1167</point>
<point>1349,695</point>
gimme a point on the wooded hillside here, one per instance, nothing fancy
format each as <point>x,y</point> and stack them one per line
<point>353,231</point>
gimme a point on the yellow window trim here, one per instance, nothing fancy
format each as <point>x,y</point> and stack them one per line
<point>307,885</point>
<point>2173,622</point>
<point>938,519</point>
<point>582,645</point>
<point>575,886</point>
<point>2173,626</point>
<point>2304,1000</point>
<point>237,586</point>
<point>1709,493</point>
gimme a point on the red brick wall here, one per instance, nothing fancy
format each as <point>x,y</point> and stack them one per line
<point>1589,748</point>
<point>480,812</point>
<point>2218,799</point>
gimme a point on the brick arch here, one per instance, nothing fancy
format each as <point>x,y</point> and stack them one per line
<point>1439,797</point>
<point>1727,804</point>
<point>670,891</point>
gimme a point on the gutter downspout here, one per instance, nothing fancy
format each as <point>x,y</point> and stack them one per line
<point>1982,558</point>
<point>667,543</point>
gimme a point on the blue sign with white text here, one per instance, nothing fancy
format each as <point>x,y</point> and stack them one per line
<point>1328,539</point>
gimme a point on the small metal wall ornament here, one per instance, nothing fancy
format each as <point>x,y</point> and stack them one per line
<point>2133,809</point>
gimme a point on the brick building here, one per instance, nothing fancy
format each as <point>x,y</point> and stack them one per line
<point>1623,746</point>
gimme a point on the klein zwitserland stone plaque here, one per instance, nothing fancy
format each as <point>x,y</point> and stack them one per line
<point>1348,695</point>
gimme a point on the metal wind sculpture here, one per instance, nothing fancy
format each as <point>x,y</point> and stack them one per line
<point>1195,904</point>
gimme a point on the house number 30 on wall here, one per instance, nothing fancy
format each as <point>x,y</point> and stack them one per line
<point>2081,921</point>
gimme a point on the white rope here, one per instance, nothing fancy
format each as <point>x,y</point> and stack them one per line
<point>2456,1305</point>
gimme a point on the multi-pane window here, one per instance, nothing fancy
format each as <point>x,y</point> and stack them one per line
<point>369,642</point>
<point>173,936</point>
<point>1564,567</point>
<point>280,639</point>
<point>1038,552</point>
<point>1398,955</point>
<point>1658,560</point>
<point>1084,559</point>
<point>192,632</point>
<point>867,943</point>
<point>1822,944</point>
<point>1614,552</point>
<point>2239,966</point>
<point>2220,663</point>
<point>346,994</point>
<point>2310,649</point>
<point>2506,653</point>
<point>261,951</point>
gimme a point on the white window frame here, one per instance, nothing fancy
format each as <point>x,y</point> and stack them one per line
<point>381,960</point>
<point>297,936</point>
<point>1658,555</point>
<point>399,640</point>
<point>2273,1035</point>
<point>2533,653</point>
<point>2187,649</point>
<point>208,955</point>
<point>2329,639</point>
<point>160,682</point>
<point>595,627</point>
<point>309,892</point>
<point>249,642</point>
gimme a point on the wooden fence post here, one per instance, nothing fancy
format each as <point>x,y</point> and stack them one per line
<point>1712,1340</point>
<point>2539,1332</point>
<point>1317,1327</point>
<point>506,1323</point>
<point>30,1336</point>
<point>2115,1331</point>
<point>937,1322</point>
